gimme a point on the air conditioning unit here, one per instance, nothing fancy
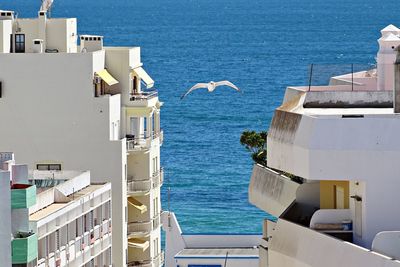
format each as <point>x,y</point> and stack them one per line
<point>37,46</point>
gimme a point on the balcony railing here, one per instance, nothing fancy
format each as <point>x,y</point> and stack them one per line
<point>138,186</point>
<point>141,228</point>
<point>142,96</point>
<point>134,143</point>
<point>23,196</point>
<point>156,261</point>
<point>143,141</point>
<point>158,178</point>
<point>143,186</point>
<point>156,221</point>
<point>24,248</point>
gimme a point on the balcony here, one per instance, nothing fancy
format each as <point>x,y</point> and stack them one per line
<point>158,178</point>
<point>143,228</point>
<point>155,262</point>
<point>294,244</point>
<point>143,96</point>
<point>138,187</point>
<point>82,249</point>
<point>143,99</point>
<point>24,248</point>
<point>139,229</point>
<point>143,142</point>
<point>23,196</point>
<point>271,191</point>
<point>136,144</point>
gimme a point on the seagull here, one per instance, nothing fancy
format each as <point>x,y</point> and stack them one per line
<point>211,86</point>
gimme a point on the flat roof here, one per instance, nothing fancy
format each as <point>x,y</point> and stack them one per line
<point>218,253</point>
<point>62,175</point>
<point>54,207</point>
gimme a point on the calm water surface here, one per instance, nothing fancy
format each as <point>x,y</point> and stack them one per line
<point>261,45</point>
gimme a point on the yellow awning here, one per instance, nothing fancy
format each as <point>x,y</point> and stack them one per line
<point>137,204</point>
<point>106,77</point>
<point>138,243</point>
<point>139,111</point>
<point>144,76</point>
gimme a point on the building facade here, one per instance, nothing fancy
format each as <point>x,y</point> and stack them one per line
<point>55,218</point>
<point>331,177</point>
<point>69,106</point>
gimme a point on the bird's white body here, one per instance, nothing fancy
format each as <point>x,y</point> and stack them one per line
<point>211,86</point>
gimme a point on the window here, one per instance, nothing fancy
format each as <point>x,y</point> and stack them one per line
<point>48,167</point>
<point>20,43</point>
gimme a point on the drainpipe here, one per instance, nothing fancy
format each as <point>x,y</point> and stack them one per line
<point>396,93</point>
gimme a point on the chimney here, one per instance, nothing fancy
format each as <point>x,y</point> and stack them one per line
<point>396,93</point>
<point>90,43</point>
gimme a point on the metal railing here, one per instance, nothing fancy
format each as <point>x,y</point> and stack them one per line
<point>143,141</point>
<point>349,77</point>
<point>134,143</point>
<point>142,96</point>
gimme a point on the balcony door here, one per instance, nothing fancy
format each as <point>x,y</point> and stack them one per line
<point>19,43</point>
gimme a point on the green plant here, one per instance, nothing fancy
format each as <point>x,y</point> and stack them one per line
<point>256,143</point>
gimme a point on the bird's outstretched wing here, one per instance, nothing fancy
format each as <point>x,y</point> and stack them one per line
<point>227,83</point>
<point>196,86</point>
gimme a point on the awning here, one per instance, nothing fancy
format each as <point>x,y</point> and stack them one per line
<point>138,243</point>
<point>143,76</point>
<point>138,111</point>
<point>137,204</point>
<point>106,77</point>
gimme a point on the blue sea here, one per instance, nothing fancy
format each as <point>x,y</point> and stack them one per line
<point>260,45</point>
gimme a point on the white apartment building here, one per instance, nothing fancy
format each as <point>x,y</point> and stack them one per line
<point>70,107</point>
<point>55,218</point>
<point>341,141</point>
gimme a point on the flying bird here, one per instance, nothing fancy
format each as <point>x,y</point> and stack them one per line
<point>211,86</point>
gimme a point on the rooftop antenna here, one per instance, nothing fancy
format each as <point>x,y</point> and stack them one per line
<point>46,6</point>
<point>169,207</point>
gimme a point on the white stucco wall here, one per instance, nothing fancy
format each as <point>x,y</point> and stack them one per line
<point>50,114</point>
<point>5,35</point>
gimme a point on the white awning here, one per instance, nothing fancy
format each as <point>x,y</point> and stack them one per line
<point>142,74</point>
